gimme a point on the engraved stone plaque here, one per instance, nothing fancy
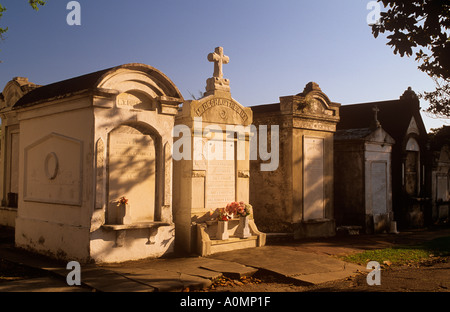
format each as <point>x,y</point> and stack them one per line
<point>53,170</point>
<point>133,101</point>
<point>132,166</point>
<point>221,179</point>
<point>379,187</point>
<point>313,202</point>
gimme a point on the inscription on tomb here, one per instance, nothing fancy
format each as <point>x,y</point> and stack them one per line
<point>220,187</point>
<point>221,102</point>
<point>313,203</point>
<point>220,179</point>
<point>131,101</point>
<point>132,165</point>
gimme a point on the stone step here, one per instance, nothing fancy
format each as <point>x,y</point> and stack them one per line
<point>232,240</point>
<point>233,243</point>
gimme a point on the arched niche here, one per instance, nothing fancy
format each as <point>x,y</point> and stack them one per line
<point>134,171</point>
<point>141,86</point>
<point>412,167</point>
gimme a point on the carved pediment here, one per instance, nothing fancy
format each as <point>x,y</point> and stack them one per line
<point>311,102</point>
<point>15,89</point>
<point>413,128</point>
<point>222,110</point>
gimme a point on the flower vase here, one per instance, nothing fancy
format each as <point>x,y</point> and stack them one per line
<point>243,229</point>
<point>222,230</point>
<point>124,216</point>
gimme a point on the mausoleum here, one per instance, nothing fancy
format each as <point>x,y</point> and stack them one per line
<point>212,168</point>
<point>362,178</point>
<point>402,119</point>
<point>439,186</point>
<point>9,169</point>
<point>88,163</point>
<point>296,198</point>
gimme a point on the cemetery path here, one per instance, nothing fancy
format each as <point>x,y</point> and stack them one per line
<point>283,266</point>
<point>432,277</point>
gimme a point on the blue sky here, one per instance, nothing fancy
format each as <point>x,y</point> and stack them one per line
<point>275,47</point>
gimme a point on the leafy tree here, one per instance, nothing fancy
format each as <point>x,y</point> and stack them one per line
<point>33,3</point>
<point>421,26</point>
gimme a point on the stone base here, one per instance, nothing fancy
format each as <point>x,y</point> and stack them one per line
<point>207,243</point>
<point>61,241</point>
<point>315,228</point>
<point>128,242</point>
<point>8,216</point>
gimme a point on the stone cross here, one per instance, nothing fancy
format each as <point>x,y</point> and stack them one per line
<point>376,110</point>
<point>219,59</point>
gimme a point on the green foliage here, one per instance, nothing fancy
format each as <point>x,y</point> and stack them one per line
<point>421,26</point>
<point>2,30</point>
<point>36,3</point>
<point>403,255</point>
<point>33,3</point>
<point>397,256</point>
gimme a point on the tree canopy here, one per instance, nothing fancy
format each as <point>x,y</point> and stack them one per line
<point>421,27</point>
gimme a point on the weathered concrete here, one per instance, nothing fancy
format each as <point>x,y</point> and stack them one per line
<point>297,196</point>
<point>302,266</point>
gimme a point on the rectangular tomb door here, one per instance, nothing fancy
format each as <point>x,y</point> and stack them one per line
<point>379,187</point>
<point>313,188</point>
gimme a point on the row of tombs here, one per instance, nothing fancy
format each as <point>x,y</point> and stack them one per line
<point>116,165</point>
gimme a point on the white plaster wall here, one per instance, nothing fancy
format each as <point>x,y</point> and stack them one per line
<point>60,230</point>
<point>136,245</point>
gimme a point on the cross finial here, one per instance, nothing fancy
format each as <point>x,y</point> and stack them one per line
<point>376,110</point>
<point>219,59</point>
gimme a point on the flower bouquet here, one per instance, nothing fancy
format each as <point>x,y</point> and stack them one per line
<point>222,226</point>
<point>224,214</point>
<point>240,209</point>
<point>243,210</point>
<point>122,201</point>
<point>123,213</point>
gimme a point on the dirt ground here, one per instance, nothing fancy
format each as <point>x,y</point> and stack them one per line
<point>432,276</point>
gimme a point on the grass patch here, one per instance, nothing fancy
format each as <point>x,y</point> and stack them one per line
<point>402,255</point>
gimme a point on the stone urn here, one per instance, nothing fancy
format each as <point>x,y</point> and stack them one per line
<point>222,230</point>
<point>243,229</point>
